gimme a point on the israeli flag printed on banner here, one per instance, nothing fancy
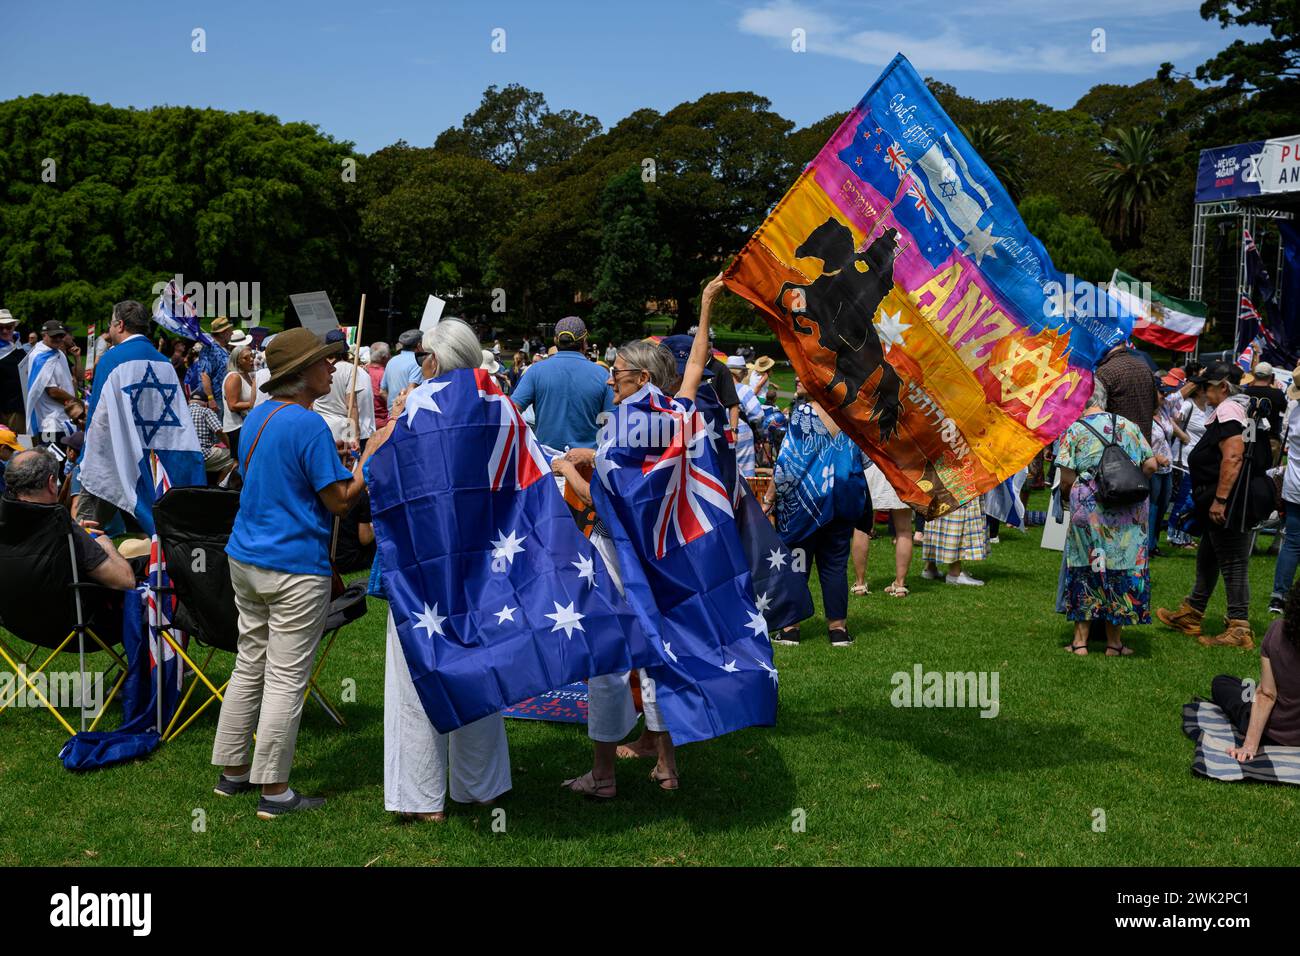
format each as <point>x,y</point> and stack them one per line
<point>137,406</point>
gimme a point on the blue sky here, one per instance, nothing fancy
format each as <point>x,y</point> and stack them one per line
<point>385,70</point>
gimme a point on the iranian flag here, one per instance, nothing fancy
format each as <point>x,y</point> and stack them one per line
<point>1159,319</point>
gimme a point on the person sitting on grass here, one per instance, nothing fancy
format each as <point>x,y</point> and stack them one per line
<point>1271,715</point>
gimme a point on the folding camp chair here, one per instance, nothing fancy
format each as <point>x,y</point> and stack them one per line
<point>38,563</point>
<point>194,525</point>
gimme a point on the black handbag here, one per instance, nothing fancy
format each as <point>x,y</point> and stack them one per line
<point>1119,482</point>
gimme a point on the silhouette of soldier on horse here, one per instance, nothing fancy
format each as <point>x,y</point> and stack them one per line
<point>842,304</point>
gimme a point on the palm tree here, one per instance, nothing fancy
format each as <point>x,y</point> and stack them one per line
<point>998,150</point>
<point>1129,176</point>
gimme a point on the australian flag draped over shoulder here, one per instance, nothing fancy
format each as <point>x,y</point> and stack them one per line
<point>136,408</point>
<point>176,313</point>
<point>782,595</point>
<point>496,595</point>
<point>659,491</point>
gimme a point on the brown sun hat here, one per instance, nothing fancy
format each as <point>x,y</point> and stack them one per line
<point>221,324</point>
<point>764,363</point>
<point>293,351</point>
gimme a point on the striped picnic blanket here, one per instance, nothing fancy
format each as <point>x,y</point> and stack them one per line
<point>1206,724</point>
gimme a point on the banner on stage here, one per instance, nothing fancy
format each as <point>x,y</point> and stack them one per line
<point>916,306</point>
<point>1264,167</point>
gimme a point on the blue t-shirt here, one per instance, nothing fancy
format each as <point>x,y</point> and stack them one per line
<point>282,524</point>
<point>567,391</point>
<point>401,371</point>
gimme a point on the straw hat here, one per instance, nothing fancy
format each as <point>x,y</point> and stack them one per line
<point>294,350</point>
<point>764,363</point>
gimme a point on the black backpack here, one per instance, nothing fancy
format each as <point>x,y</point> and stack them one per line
<point>1119,481</point>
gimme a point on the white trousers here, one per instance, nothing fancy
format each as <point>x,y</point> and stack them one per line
<point>611,712</point>
<point>418,760</point>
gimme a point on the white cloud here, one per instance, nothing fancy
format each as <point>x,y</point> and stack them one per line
<point>951,50</point>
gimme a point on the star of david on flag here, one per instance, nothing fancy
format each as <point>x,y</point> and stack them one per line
<point>137,409</point>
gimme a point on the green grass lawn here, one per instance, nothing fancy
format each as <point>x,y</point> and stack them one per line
<point>878,785</point>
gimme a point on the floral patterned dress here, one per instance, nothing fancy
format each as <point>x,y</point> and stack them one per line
<point>1106,576</point>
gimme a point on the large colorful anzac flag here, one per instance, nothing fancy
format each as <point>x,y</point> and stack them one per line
<point>915,305</point>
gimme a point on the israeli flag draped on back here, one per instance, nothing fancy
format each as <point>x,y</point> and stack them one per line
<point>660,491</point>
<point>137,406</point>
<point>1003,502</point>
<point>43,368</point>
<point>495,593</point>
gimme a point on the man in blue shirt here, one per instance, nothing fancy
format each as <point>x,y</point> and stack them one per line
<point>404,368</point>
<point>568,391</point>
<point>280,569</point>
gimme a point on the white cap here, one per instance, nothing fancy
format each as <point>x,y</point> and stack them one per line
<point>1263,370</point>
<point>736,361</point>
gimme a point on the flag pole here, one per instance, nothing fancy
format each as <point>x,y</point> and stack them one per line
<point>157,583</point>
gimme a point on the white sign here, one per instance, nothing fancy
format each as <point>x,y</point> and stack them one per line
<point>315,312</point>
<point>432,313</point>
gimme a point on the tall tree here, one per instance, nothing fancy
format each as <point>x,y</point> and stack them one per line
<point>1130,176</point>
<point>1074,242</point>
<point>632,260</point>
<point>515,130</point>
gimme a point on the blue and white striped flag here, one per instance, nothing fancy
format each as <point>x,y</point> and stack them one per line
<point>137,407</point>
<point>1003,503</point>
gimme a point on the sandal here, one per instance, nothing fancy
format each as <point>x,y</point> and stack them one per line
<point>897,590</point>
<point>1122,651</point>
<point>665,781</point>
<point>1078,650</point>
<point>628,752</point>
<point>861,589</point>
<point>589,786</point>
<point>438,816</point>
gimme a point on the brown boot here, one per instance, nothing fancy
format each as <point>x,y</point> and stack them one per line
<point>1186,619</point>
<point>1238,634</point>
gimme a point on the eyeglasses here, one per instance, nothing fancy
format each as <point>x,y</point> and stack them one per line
<point>618,371</point>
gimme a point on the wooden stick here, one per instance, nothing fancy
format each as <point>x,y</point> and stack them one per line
<point>356,365</point>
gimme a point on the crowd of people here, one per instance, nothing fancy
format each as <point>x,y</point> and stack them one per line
<point>292,422</point>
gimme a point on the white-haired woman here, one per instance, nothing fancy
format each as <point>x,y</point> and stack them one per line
<point>239,394</point>
<point>611,714</point>
<point>419,761</point>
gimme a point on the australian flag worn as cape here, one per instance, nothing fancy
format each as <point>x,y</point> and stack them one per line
<point>495,593</point>
<point>659,491</point>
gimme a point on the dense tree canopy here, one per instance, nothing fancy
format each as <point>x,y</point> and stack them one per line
<point>523,214</point>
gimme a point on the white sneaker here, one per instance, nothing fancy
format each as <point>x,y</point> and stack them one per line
<point>966,579</point>
<point>928,574</point>
<point>995,540</point>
